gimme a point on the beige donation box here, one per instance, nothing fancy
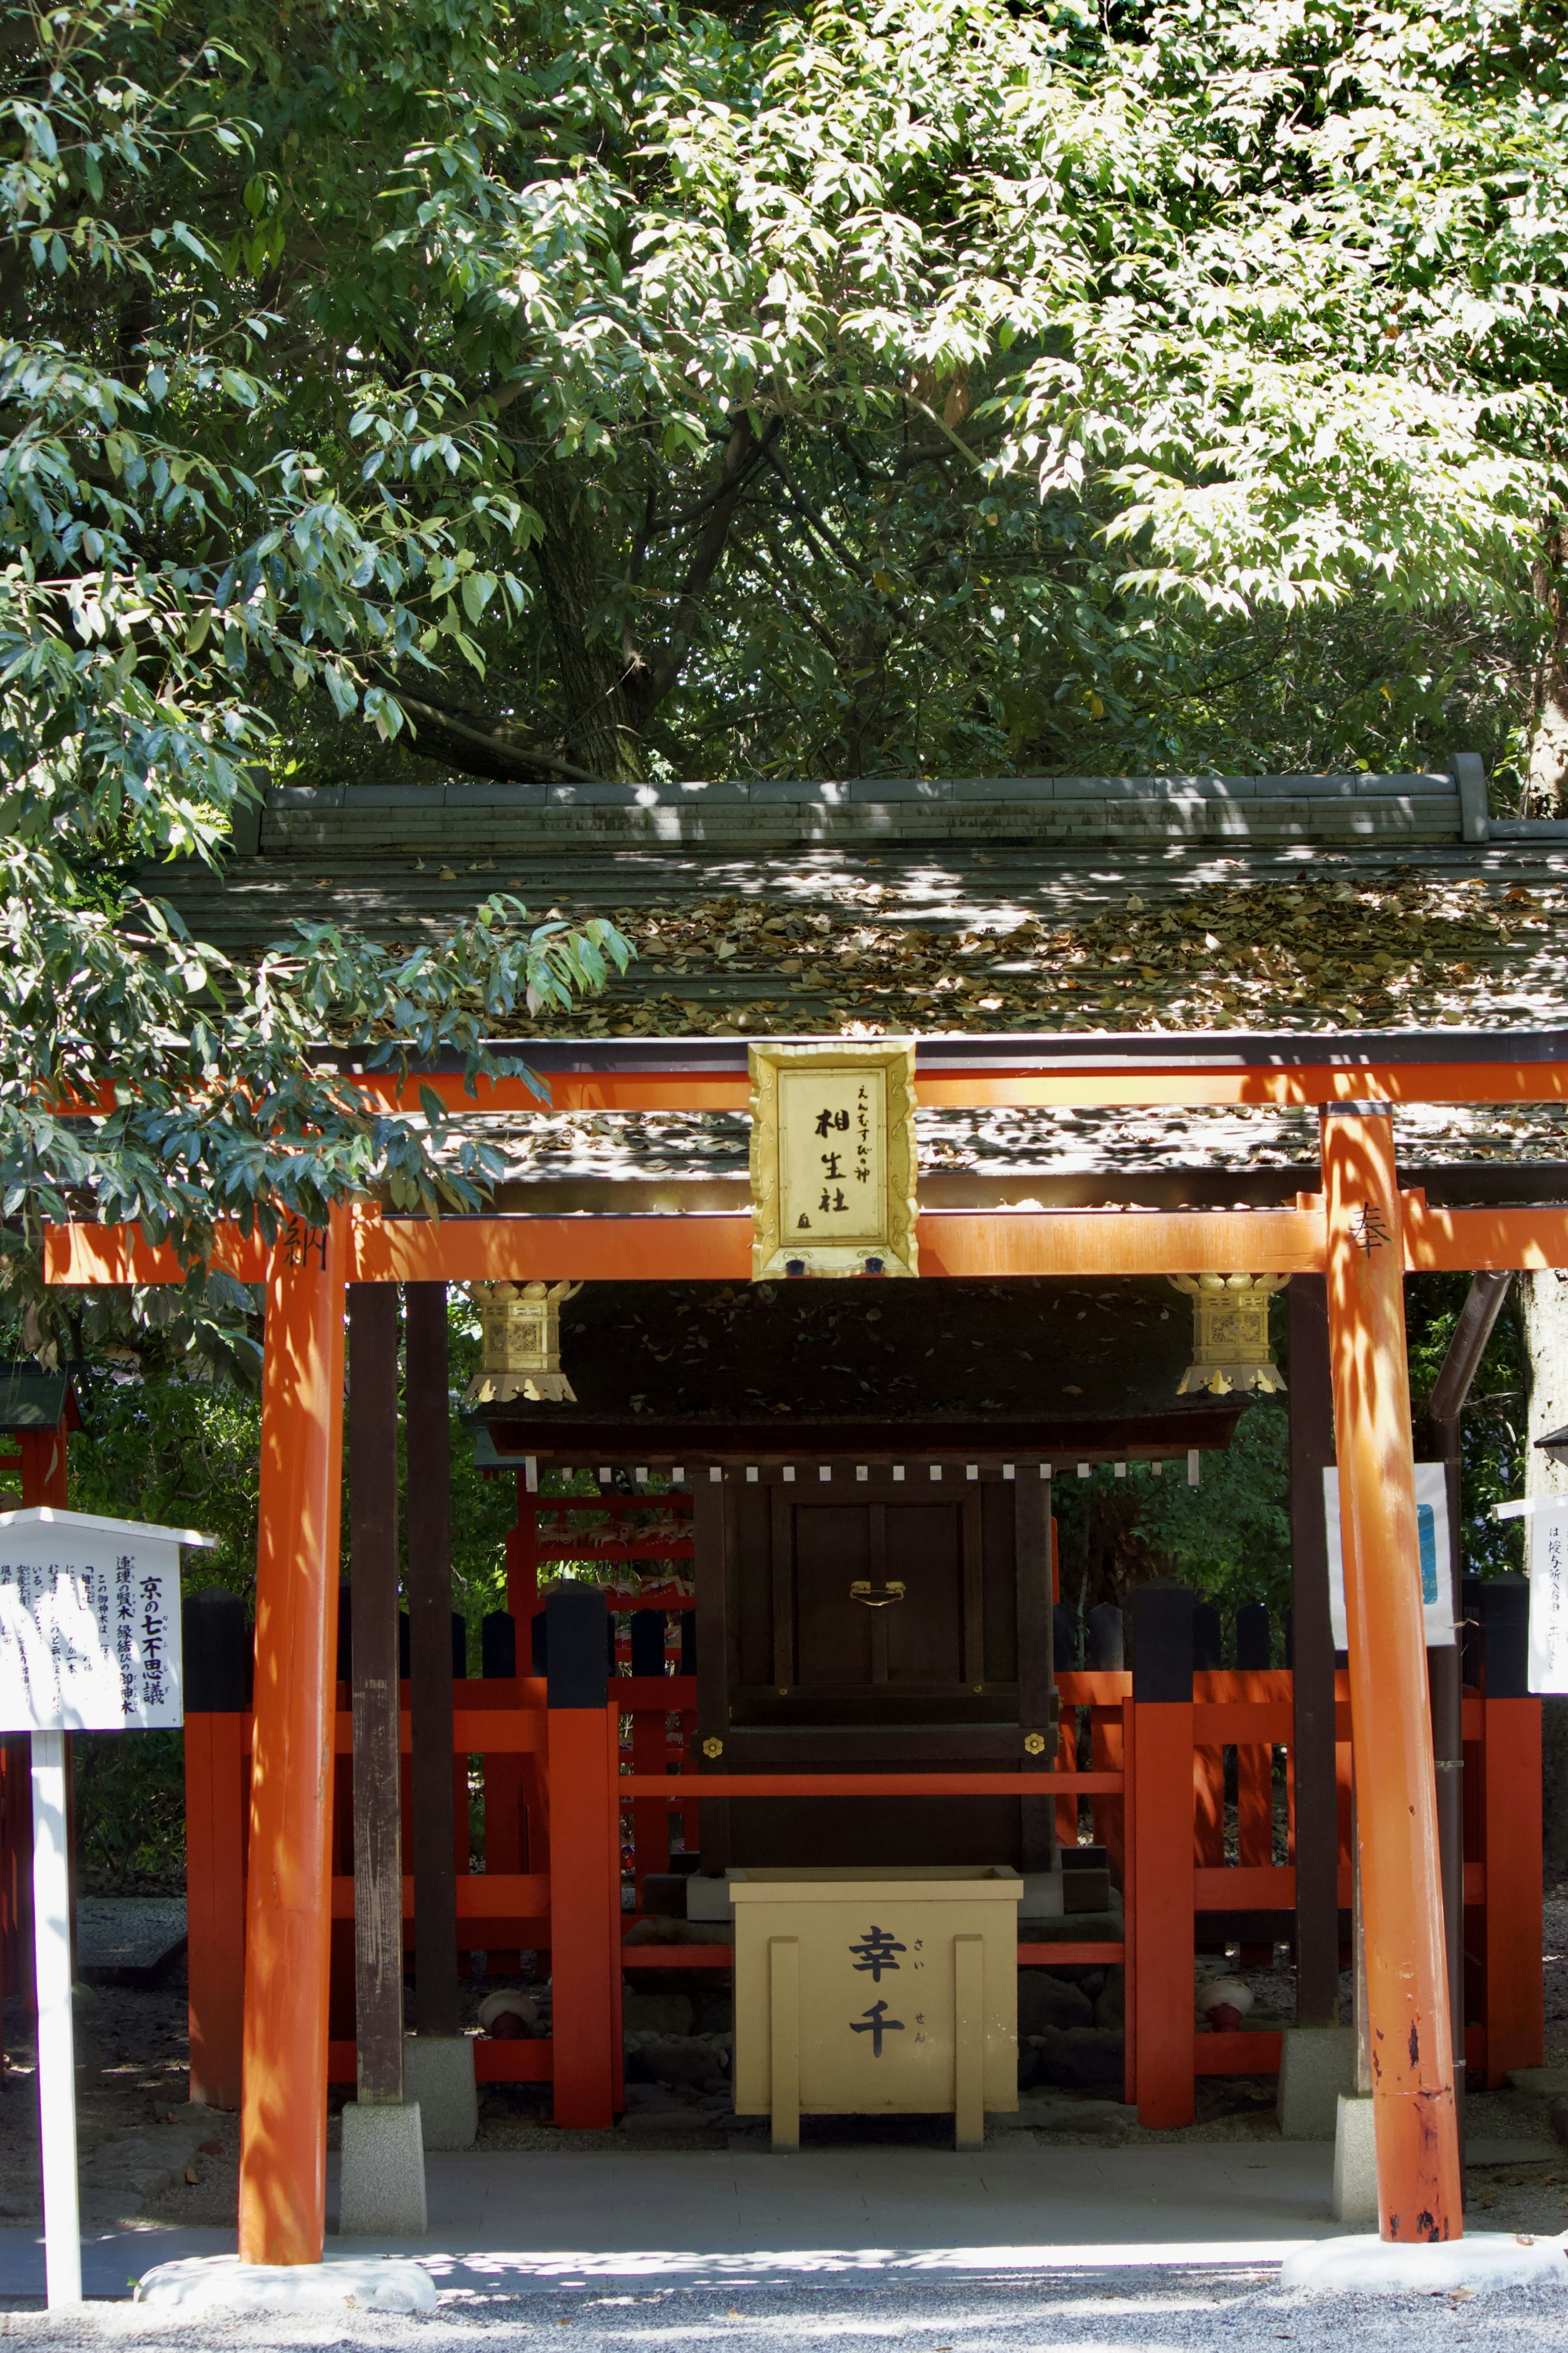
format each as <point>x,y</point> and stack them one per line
<point>876,1993</point>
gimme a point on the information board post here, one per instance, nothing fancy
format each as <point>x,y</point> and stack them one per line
<point>56,2042</point>
<point>89,1641</point>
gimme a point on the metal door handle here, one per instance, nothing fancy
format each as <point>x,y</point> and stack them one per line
<point>876,1597</point>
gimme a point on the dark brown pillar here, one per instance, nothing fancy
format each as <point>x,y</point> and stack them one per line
<point>1317,1802</point>
<point>372,1608</point>
<point>1037,1680</point>
<point>1482,1306</point>
<point>709,1543</point>
<point>430,1658</point>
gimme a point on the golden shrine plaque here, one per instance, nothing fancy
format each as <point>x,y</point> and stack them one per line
<point>833,1159</point>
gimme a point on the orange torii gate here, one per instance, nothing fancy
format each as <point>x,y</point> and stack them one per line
<point>1362,1231</point>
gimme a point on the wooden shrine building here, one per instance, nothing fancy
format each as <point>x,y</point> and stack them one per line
<point>870,1479</point>
<point>850,1653</point>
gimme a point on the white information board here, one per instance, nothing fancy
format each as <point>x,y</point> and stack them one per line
<point>89,1623</point>
<point>1434,1555</point>
<point>89,1641</point>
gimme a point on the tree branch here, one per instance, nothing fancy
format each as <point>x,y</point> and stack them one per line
<point>507,762</point>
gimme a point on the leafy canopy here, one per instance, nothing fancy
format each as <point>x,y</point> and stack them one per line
<point>871,387</point>
<point>583,388</point>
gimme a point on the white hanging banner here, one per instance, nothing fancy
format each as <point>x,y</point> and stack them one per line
<point>89,1623</point>
<point>1433,1553</point>
<point>1548,1669</point>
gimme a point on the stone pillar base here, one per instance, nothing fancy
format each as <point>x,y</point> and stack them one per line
<point>1316,2065</point>
<point>1355,2161</point>
<point>381,2177</point>
<point>438,2073</point>
<point>198,2284</point>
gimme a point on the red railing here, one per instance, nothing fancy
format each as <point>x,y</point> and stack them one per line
<point>1155,1786</point>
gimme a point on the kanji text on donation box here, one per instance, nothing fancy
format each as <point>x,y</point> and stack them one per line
<point>876,1991</point>
<point>89,1623</point>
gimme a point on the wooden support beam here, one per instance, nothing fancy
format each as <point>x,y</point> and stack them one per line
<point>430,1658</point>
<point>283,2131</point>
<point>716,1246</point>
<point>216,1641</point>
<point>377,1805</point>
<point>1160,1855</point>
<point>44,1466</point>
<point>1055,1072</point>
<point>1311,1407</point>
<point>1032,1530</point>
<point>584,1864</point>
<point>710,1570</point>
<point>1510,1833</point>
<point>1414,2114</point>
<point>1478,1318</point>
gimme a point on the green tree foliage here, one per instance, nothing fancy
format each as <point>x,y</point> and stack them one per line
<point>617,390</point>
<point>1492,1427</point>
<point>1229,1538</point>
<point>173,544</point>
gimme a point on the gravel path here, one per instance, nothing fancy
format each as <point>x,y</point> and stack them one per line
<point>1233,2312</point>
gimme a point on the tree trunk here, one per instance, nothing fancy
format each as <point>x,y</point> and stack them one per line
<point>596,736</point>
<point>1543,1308</point>
<point>1548,780</point>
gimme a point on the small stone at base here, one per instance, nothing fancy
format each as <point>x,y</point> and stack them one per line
<point>1481,2260</point>
<point>222,2283</point>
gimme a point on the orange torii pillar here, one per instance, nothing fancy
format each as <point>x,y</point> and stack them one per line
<point>283,2116</point>
<point>1414,2118</point>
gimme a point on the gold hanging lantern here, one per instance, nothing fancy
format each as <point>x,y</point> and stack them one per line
<point>1230,1333</point>
<point>519,1345</point>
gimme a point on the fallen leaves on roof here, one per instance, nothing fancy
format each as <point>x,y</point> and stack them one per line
<point>1310,956</point>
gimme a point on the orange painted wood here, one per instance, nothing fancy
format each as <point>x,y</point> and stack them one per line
<point>1120,1242</point>
<point>1160,1937</point>
<point>584,1914</point>
<point>715,1246</point>
<point>1208,1805</point>
<point>1414,2114</point>
<point>1067,1762</point>
<point>216,1799</point>
<point>1237,2054</point>
<point>1472,1241</point>
<point>1237,1722</point>
<point>1265,1887</point>
<point>1205,1079</point>
<point>1094,1686</point>
<point>1085,1955</point>
<point>1199,1083</point>
<point>1252,1687</point>
<point>44,1467</point>
<point>664,1694</point>
<point>1515,2015</point>
<point>283,2141</point>
<point>523,2062</point>
<point>1254,1804</point>
<point>650,1819</point>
